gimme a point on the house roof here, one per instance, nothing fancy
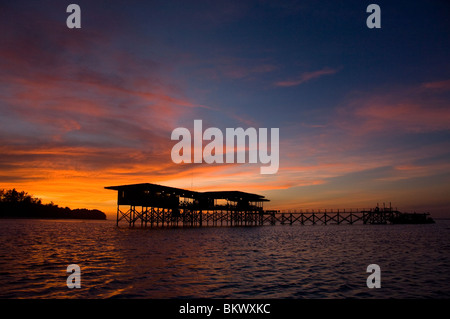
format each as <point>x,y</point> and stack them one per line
<point>229,195</point>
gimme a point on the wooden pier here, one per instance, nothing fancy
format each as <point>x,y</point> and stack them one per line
<point>151,205</point>
<point>333,216</point>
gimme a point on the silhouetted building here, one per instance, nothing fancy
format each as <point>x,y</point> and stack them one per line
<point>168,204</point>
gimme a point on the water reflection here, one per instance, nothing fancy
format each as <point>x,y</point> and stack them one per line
<point>275,262</point>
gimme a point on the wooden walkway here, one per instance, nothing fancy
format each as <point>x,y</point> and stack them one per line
<point>159,217</point>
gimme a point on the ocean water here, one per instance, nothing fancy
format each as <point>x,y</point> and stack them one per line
<point>320,261</point>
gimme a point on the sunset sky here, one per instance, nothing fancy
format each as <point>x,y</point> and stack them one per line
<point>364,114</point>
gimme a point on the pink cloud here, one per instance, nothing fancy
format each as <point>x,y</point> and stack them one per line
<point>306,76</point>
<point>438,85</point>
<point>405,110</point>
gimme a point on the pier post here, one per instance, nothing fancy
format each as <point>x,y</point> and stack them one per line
<point>131,216</point>
<point>117,217</point>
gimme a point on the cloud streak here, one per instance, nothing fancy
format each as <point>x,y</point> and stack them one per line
<point>305,77</point>
<point>411,109</point>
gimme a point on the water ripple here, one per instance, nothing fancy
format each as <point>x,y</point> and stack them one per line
<point>262,262</point>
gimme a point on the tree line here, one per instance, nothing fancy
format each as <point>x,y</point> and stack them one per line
<point>15,204</point>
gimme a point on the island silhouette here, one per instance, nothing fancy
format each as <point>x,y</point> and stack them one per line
<point>15,204</point>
